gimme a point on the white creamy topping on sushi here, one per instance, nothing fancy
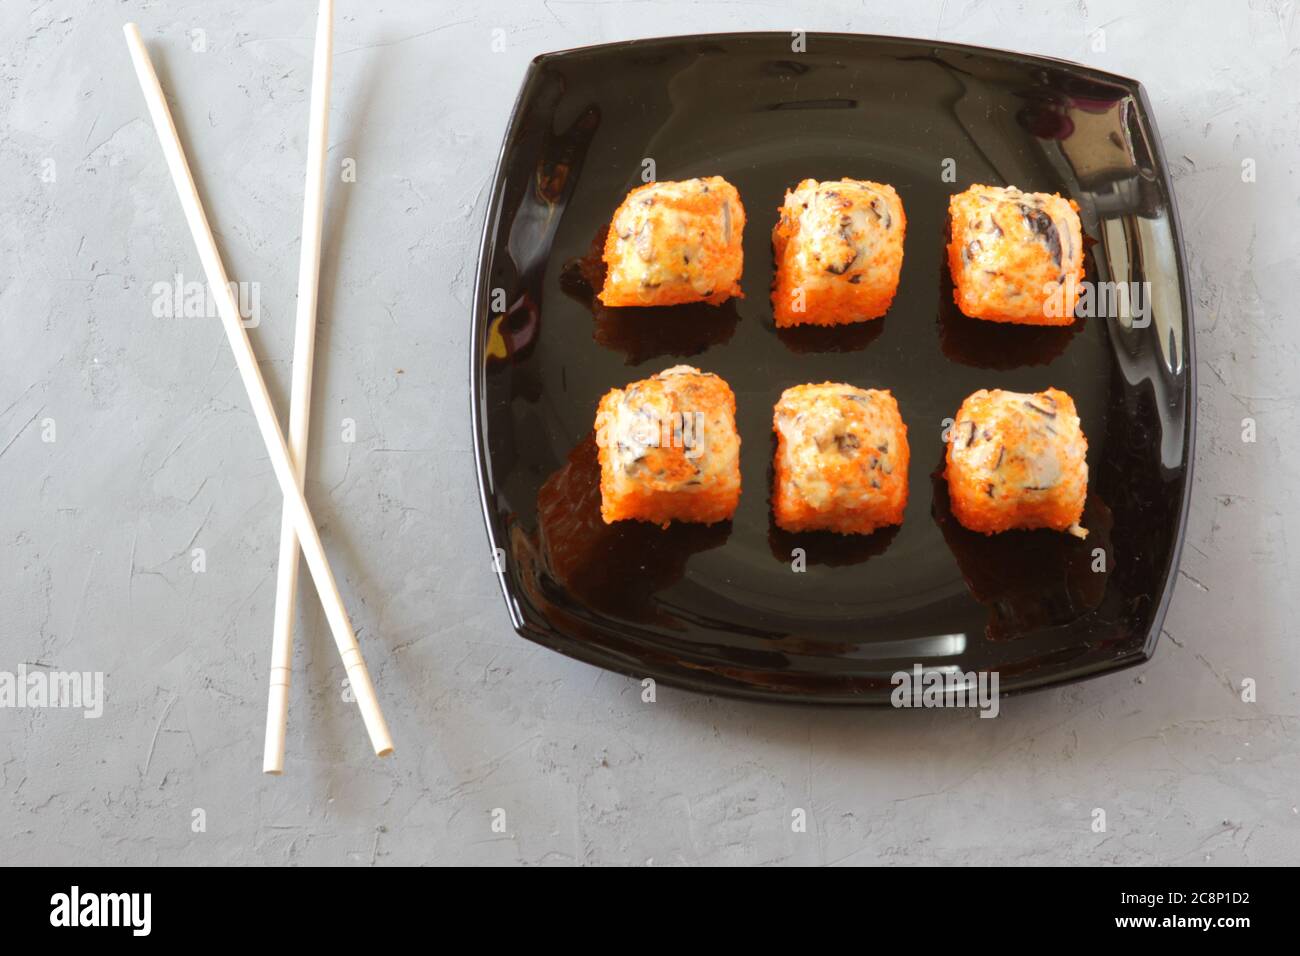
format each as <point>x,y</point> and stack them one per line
<point>840,226</point>
<point>1025,450</point>
<point>1047,218</point>
<point>648,418</point>
<point>817,430</point>
<point>664,242</point>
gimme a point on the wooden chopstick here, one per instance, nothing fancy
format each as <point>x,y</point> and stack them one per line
<point>281,463</point>
<point>304,347</point>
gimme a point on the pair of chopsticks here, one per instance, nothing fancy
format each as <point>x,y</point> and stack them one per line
<point>287,460</point>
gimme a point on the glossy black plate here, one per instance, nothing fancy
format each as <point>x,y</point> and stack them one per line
<point>720,608</point>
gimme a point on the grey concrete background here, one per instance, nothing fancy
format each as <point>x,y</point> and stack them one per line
<point>155,453</point>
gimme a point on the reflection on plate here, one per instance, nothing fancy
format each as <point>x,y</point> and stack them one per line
<point>1030,579</point>
<point>617,567</point>
<point>802,339</point>
<point>828,547</point>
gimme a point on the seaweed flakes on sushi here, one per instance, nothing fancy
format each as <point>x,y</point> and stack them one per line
<point>669,449</point>
<point>1018,461</point>
<point>675,242</point>
<point>839,252</point>
<point>1015,256</point>
<point>841,459</point>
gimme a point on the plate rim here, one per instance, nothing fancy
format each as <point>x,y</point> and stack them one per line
<point>615,46</point>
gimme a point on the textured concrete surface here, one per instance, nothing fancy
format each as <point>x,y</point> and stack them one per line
<point>155,454</point>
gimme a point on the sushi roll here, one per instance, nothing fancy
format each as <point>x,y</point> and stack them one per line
<point>1015,256</point>
<point>839,252</point>
<point>1018,461</point>
<point>675,242</point>
<point>841,459</point>
<point>669,450</point>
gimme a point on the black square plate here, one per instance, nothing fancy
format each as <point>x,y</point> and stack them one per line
<point>720,608</point>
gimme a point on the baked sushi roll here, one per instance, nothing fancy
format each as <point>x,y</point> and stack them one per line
<point>669,450</point>
<point>841,459</point>
<point>1015,256</point>
<point>675,242</point>
<point>839,252</point>
<point>1018,461</point>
